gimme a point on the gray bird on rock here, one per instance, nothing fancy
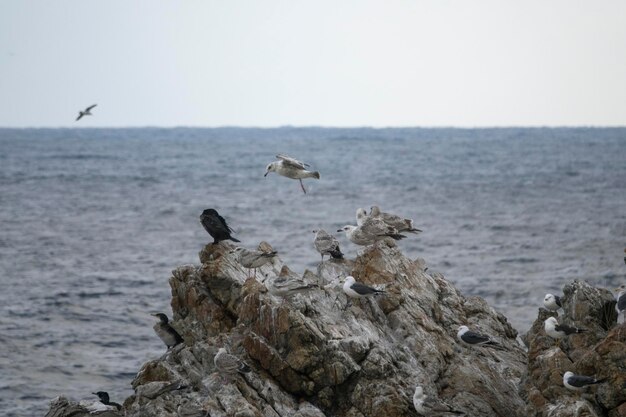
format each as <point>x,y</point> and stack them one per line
<point>253,259</point>
<point>229,365</point>
<point>397,222</point>
<point>326,244</point>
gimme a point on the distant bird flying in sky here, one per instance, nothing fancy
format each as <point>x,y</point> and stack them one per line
<point>86,112</point>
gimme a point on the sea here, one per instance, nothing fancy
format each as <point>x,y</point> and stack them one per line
<point>93,221</point>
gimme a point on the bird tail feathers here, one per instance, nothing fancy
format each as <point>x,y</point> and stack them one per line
<point>336,254</point>
<point>234,239</point>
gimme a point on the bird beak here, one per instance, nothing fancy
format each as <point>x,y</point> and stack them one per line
<point>266,172</point>
<point>153,314</point>
<point>340,230</point>
<point>94,393</point>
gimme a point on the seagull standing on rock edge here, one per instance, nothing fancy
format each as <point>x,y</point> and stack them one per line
<point>471,338</point>
<point>552,302</point>
<point>291,168</point>
<point>326,244</point>
<point>253,259</point>
<point>228,364</point>
<point>355,289</point>
<point>397,222</point>
<point>558,331</point>
<point>575,382</point>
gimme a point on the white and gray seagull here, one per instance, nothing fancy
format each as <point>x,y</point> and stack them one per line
<point>575,382</point>
<point>370,231</point>
<point>291,168</point>
<point>558,331</point>
<point>427,407</point>
<point>397,222</point>
<point>472,338</point>
<point>355,289</point>
<point>361,216</point>
<point>552,302</point>
<point>253,259</point>
<point>620,297</point>
<point>288,283</point>
<point>326,244</point>
<point>229,365</point>
<point>86,112</point>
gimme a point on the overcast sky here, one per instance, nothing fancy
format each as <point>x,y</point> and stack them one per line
<point>327,63</point>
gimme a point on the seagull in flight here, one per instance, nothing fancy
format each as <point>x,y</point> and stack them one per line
<point>86,112</point>
<point>291,168</point>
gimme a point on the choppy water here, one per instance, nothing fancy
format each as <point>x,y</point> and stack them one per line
<point>93,221</point>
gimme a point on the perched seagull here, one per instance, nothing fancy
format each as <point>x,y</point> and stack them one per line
<point>216,226</point>
<point>361,216</point>
<point>355,289</point>
<point>397,222</point>
<point>166,332</point>
<point>559,331</point>
<point>620,297</point>
<point>326,244</point>
<point>104,399</point>
<point>370,232</point>
<point>426,407</point>
<point>552,302</point>
<point>471,338</point>
<point>291,168</point>
<point>228,364</point>
<point>287,283</point>
<point>253,259</point>
<point>575,382</point>
<point>87,112</point>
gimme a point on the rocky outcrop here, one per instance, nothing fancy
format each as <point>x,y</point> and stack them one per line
<point>600,352</point>
<point>312,355</point>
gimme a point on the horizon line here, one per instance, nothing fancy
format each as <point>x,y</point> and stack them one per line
<point>326,127</point>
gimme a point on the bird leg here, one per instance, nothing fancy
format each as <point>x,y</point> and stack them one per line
<point>302,185</point>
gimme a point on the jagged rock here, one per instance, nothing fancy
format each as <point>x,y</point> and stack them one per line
<point>600,352</point>
<point>313,356</point>
<point>62,407</point>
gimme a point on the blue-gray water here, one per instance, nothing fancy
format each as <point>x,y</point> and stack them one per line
<point>93,221</point>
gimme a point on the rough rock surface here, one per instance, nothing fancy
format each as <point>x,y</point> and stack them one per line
<point>599,352</point>
<point>311,356</point>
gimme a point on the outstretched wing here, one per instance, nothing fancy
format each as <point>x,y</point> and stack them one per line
<point>90,107</point>
<point>80,114</point>
<point>292,161</point>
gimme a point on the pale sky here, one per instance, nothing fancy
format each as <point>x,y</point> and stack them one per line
<point>303,63</point>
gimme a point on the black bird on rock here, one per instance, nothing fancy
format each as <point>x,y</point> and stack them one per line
<point>167,333</point>
<point>104,399</point>
<point>216,226</point>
